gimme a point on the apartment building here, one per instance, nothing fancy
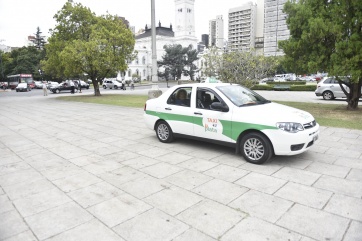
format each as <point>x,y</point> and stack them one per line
<point>275,27</point>
<point>216,32</point>
<point>242,27</point>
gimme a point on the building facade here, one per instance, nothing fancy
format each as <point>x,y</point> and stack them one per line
<point>242,27</point>
<point>183,32</point>
<point>275,27</point>
<point>216,32</point>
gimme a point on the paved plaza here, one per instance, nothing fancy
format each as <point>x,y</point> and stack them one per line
<point>80,171</point>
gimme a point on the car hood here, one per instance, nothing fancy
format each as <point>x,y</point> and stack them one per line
<point>273,113</point>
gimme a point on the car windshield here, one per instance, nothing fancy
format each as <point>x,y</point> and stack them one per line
<point>241,96</point>
<point>22,85</point>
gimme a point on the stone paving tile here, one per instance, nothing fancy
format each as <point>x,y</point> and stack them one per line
<point>103,166</point>
<point>57,220</point>
<point>94,194</point>
<point>39,202</point>
<point>198,165</point>
<point>90,231</point>
<point>119,209</point>
<point>188,179</point>
<point>24,236</point>
<point>297,162</point>
<point>344,153</point>
<point>355,175</point>
<point>306,195</point>
<point>340,186</point>
<point>140,162</point>
<point>62,171</point>
<point>13,167</point>
<point>260,205</point>
<point>267,169</point>
<point>220,191</point>
<point>208,152</point>
<point>52,162</point>
<point>75,182</point>
<point>121,156</point>
<point>5,204</point>
<point>173,200</point>
<point>350,162</point>
<point>327,169</point>
<point>193,234</point>
<point>161,170</point>
<point>314,223</point>
<point>262,183</point>
<point>11,223</point>
<point>152,225</point>
<point>320,157</point>
<point>154,152</point>
<point>211,218</point>
<point>174,158</point>
<point>86,160</point>
<point>229,159</point>
<point>137,187</point>
<point>354,232</point>
<point>348,207</point>
<point>120,176</point>
<point>27,188</point>
<point>19,177</point>
<point>253,229</point>
<point>296,175</point>
<point>226,173</point>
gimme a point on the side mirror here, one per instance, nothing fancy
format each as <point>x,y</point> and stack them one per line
<point>219,106</point>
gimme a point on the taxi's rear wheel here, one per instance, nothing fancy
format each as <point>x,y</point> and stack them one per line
<point>164,132</point>
<point>255,148</point>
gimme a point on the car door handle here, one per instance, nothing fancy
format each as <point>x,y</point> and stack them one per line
<point>197,113</point>
<point>168,108</point>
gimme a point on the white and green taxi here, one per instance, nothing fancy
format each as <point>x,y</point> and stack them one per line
<point>232,115</point>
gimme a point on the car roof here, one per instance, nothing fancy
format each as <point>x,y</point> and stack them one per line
<point>206,84</point>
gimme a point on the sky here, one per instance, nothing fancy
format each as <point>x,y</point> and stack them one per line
<point>20,18</point>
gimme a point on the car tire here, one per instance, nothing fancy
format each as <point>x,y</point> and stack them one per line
<point>164,132</point>
<point>57,91</point>
<point>115,87</point>
<point>255,148</point>
<point>104,87</point>
<point>328,95</point>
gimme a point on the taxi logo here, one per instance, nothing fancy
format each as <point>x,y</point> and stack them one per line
<point>211,125</point>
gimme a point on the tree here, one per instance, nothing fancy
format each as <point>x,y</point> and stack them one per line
<point>179,60</point>
<point>326,36</point>
<point>85,44</point>
<point>239,67</point>
<point>39,40</point>
<point>24,60</point>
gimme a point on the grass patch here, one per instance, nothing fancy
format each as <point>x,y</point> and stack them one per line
<point>332,115</point>
<point>137,101</point>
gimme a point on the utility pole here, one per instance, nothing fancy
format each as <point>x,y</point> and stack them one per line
<point>154,92</point>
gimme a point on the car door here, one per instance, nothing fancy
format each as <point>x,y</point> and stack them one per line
<point>337,90</point>
<point>179,114</point>
<point>210,123</point>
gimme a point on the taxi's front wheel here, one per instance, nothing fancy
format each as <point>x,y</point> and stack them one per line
<point>255,148</point>
<point>164,132</point>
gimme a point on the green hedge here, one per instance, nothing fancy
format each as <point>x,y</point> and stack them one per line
<point>287,83</point>
<point>292,87</point>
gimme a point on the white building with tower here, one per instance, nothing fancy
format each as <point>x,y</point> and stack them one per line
<point>181,32</point>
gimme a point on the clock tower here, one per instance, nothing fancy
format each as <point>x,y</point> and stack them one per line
<point>184,18</point>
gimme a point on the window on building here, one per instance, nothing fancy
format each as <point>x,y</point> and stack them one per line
<point>144,72</point>
<point>144,60</point>
<point>136,60</point>
<point>129,73</point>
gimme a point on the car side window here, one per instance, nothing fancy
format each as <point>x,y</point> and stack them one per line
<point>180,96</point>
<point>205,97</point>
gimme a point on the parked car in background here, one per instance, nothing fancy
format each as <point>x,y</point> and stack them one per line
<point>23,87</point>
<point>3,85</point>
<point>38,84</point>
<point>62,87</point>
<point>330,89</point>
<point>112,84</point>
<point>52,84</point>
<point>84,85</point>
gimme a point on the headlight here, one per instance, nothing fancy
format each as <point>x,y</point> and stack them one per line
<point>290,126</point>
